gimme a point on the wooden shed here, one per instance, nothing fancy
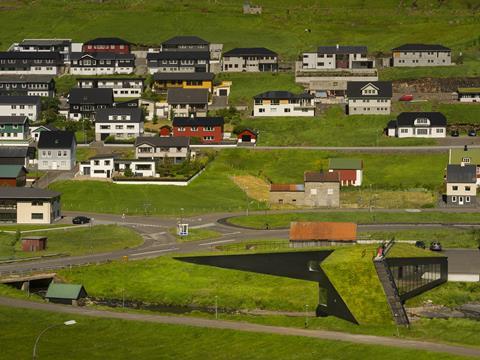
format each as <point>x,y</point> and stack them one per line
<point>65,293</point>
<point>34,243</point>
<point>303,234</point>
<point>247,136</point>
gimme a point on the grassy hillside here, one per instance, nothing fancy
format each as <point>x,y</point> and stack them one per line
<point>380,24</point>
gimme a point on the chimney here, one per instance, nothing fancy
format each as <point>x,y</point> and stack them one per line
<point>338,46</point>
<point>465,148</point>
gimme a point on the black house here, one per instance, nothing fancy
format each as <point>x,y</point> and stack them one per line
<point>84,102</point>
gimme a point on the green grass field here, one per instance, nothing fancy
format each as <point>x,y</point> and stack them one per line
<point>449,294</point>
<point>196,234</point>
<point>470,68</point>
<point>76,241</point>
<point>455,113</point>
<point>95,338</point>
<point>283,220</point>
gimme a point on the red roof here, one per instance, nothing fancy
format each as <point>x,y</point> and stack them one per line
<point>315,231</point>
<point>287,187</point>
<point>312,176</point>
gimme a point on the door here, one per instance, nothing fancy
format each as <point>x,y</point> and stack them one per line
<point>86,171</point>
<point>54,165</point>
<point>460,200</point>
<point>108,173</point>
<point>246,138</point>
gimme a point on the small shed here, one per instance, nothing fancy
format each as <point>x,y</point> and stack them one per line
<point>304,234</point>
<point>34,243</point>
<point>13,175</point>
<point>165,130</point>
<point>65,293</point>
<point>247,136</point>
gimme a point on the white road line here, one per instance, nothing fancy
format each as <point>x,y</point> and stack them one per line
<point>202,226</point>
<point>232,233</point>
<point>153,252</point>
<point>216,242</point>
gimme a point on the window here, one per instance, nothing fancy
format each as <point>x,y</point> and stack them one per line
<point>329,191</point>
<point>286,110</point>
<point>208,128</point>
<point>467,188</point>
<point>261,110</point>
<point>313,191</point>
<point>466,160</point>
<point>37,203</point>
<point>194,128</point>
<point>59,153</point>
<point>454,188</point>
<point>439,131</point>
<point>454,199</point>
<point>403,130</point>
<point>467,199</point>
<point>37,216</point>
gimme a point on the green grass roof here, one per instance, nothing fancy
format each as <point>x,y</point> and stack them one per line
<point>10,171</point>
<point>345,164</point>
<point>468,90</point>
<point>458,155</point>
<point>64,291</point>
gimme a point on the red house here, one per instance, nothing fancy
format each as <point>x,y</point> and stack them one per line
<point>247,136</point>
<point>111,44</point>
<point>206,129</point>
<point>350,170</point>
<point>165,130</point>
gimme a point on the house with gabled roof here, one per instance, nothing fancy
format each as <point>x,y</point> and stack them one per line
<point>466,156</point>
<point>65,293</point>
<point>29,106</point>
<point>123,87</point>
<point>206,129</point>
<point>421,55</point>
<point>469,94</point>
<point>461,185</point>
<point>283,103</point>
<point>258,59</point>
<point>163,81</point>
<point>30,63</point>
<point>14,130</point>
<point>84,102</point>
<point>187,102</point>
<point>56,150</point>
<point>35,130</point>
<point>349,170</point>
<point>369,97</point>
<point>338,57</point>
<point>13,175</point>
<point>159,148</point>
<point>178,61</point>
<point>418,124</point>
<point>62,46</point>
<point>121,123</point>
<point>185,43</point>
<point>27,85</point>
<point>17,155</point>
<point>102,63</point>
<point>106,44</point>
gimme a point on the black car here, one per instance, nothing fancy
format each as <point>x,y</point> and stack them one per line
<point>420,244</point>
<point>435,246</point>
<point>455,133</point>
<point>80,220</point>
<point>472,133</point>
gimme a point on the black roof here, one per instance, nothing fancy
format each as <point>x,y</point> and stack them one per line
<point>421,47</point>
<point>47,42</point>
<point>185,40</point>
<point>111,78</point>
<point>14,151</point>
<point>20,99</point>
<point>56,139</point>
<point>179,55</point>
<point>280,94</point>
<point>340,49</point>
<point>136,115</point>
<point>25,55</point>
<point>90,96</point>
<point>18,120</point>
<point>354,89</point>
<point>7,192</point>
<point>198,121</point>
<point>259,51</point>
<point>107,41</point>
<point>26,78</point>
<point>161,76</point>
<point>462,174</point>
<point>163,141</point>
<point>392,124</point>
<point>408,118</point>
<point>102,56</point>
<point>187,96</point>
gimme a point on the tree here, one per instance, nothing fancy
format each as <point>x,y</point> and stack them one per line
<point>128,172</point>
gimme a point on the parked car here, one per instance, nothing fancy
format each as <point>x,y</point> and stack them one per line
<point>472,132</point>
<point>406,97</point>
<point>455,133</point>
<point>420,244</point>
<point>435,246</point>
<point>80,220</point>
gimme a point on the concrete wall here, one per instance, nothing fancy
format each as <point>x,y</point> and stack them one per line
<point>287,197</point>
<point>322,194</point>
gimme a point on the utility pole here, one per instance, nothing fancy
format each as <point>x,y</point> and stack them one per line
<point>216,307</point>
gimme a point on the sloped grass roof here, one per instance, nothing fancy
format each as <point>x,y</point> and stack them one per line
<point>352,273</point>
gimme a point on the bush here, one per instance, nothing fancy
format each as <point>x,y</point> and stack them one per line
<point>128,172</point>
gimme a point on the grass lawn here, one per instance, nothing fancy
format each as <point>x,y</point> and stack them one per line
<point>283,220</point>
<point>449,294</point>
<point>449,238</point>
<point>96,338</point>
<point>196,234</point>
<point>455,113</point>
<point>26,227</point>
<point>470,68</point>
<point>76,241</point>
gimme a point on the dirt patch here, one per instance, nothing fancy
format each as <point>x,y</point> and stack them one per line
<point>434,85</point>
<point>255,187</point>
<point>387,199</point>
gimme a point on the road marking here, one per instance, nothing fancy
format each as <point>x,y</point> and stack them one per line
<point>153,252</point>
<point>216,242</point>
<point>202,226</point>
<point>232,233</point>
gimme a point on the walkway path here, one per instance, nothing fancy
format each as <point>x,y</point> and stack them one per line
<point>242,326</point>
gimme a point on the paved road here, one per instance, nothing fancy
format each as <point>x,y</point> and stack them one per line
<point>242,326</point>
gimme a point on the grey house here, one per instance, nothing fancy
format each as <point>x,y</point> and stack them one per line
<point>174,149</point>
<point>187,102</point>
<point>250,60</point>
<point>27,85</point>
<point>56,150</point>
<point>421,55</point>
<point>369,97</point>
<point>178,61</point>
<point>461,185</point>
<point>185,43</point>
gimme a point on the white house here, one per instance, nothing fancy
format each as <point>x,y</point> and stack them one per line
<point>418,124</point>
<point>29,106</point>
<point>122,87</point>
<point>36,130</point>
<point>108,166</point>
<point>337,58</point>
<point>412,55</point>
<point>369,98</point>
<point>283,103</point>
<point>30,63</point>
<point>104,63</point>
<point>122,123</point>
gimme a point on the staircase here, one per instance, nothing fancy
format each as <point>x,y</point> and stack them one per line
<point>391,292</point>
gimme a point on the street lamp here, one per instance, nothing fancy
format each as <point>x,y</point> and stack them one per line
<point>66,323</point>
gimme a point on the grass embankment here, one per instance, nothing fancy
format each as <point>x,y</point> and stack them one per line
<point>450,294</point>
<point>29,227</point>
<point>75,241</point>
<point>458,113</point>
<point>364,217</point>
<point>469,68</point>
<point>99,339</point>
<point>449,238</point>
<point>196,234</point>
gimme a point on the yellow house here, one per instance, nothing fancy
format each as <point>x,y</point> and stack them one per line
<point>193,80</point>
